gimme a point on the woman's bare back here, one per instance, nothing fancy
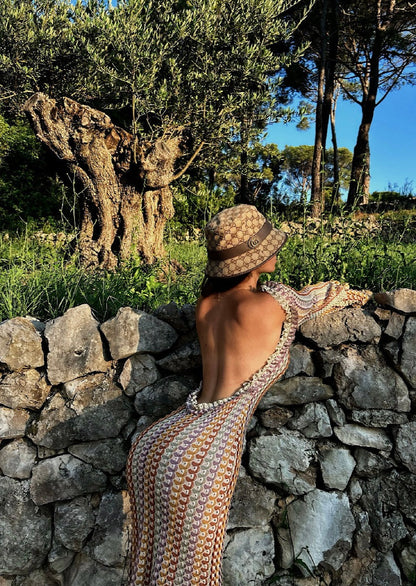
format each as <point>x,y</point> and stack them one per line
<point>237,330</point>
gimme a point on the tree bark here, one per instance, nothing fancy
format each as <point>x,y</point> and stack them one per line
<point>332,31</point>
<point>360,171</point>
<point>335,198</point>
<point>316,189</point>
<point>124,204</point>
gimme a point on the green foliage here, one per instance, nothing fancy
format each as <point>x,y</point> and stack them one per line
<point>368,263</point>
<point>297,170</point>
<point>195,204</point>
<point>38,51</point>
<point>37,278</point>
<point>387,196</point>
<point>26,187</point>
<point>202,64</point>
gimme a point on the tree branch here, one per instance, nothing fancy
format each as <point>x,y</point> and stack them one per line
<point>188,164</point>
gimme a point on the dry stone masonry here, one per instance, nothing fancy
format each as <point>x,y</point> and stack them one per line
<point>327,490</point>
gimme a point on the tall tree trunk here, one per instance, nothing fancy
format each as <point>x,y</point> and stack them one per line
<point>335,197</point>
<point>330,69</point>
<point>316,189</point>
<point>243,195</point>
<point>124,204</point>
<point>360,171</point>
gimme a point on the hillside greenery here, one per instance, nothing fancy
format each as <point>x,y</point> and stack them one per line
<point>41,277</point>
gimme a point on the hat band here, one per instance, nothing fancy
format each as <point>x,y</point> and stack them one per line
<point>251,243</point>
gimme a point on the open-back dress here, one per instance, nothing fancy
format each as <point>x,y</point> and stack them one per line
<point>182,470</point>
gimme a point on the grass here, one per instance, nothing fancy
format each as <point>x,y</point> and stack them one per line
<point>41,278</point>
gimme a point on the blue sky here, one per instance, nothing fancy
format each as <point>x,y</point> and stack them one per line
<point>392,137</point>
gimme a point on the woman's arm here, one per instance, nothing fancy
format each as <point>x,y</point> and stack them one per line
<point>320,299</point>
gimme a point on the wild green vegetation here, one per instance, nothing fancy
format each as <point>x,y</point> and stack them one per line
<point>192,86</point>
<point>39,276</point>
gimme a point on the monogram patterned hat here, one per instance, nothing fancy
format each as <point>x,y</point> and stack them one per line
<point>240,239</point>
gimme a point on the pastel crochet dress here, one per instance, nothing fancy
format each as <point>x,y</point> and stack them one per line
<point>182,470</point>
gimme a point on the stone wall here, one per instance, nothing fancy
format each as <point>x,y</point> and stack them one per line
<point>327,490</point>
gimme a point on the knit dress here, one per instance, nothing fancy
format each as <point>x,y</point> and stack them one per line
<point>182,470</point>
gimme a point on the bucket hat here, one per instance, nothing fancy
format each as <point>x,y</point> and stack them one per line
<point>240,239</point>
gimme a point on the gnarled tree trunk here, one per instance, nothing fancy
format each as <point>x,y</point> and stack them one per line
<point>124,204</point>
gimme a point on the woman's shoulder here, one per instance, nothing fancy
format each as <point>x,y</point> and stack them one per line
<point>260,308</point>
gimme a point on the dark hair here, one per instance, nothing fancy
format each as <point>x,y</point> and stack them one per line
<point>212,285</point>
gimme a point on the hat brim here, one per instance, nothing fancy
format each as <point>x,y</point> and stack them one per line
<point>250,260</point>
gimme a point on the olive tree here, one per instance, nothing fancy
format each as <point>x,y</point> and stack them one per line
<point>180,80</point>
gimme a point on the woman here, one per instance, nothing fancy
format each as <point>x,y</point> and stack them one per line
<point>183,469</point>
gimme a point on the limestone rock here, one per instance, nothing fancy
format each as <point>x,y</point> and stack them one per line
<point>25,389</point>
<point>75,345</point>
<point>401,300</point>
<point>387,571</point>
<point>24,528</point>
<point>335,412</point>
<point>91,408</point>
<point>406,489</point>
<point>275,417</point>
<point>184,358</point>
<point>12,422</point>
<point>378,417</point>
<point>321,525</point>
<point>37,578</point>
<point>313,421</point>
<point>357,571</point>
<point>143,422</point>
<point>284,460</point>
<point>406,445</point>
<point>297,390</point>
<point>248,557</point>
<point>108,544</point>
<point>17,459</point>
<point>133,331</point>
<point>20,344</point>
<point>47,453</point>
<point>383,498</point>
<point>164,395</point>
<point>252,504</point>
<point>365,381</point>
<point>300,361</point>
<point>173,315</point>
<point>337,465</point>
<point>348,325</point>
<point>357,435</point>
<point>392,350</point>
<point>370,464</point>
<point>85,570</point>
<point>139,371</point>
<point>74,521</point>
<point>408,361</point>
<point>355,490</point>
<point>64,477</point>
<point>38,325</point>
<point>59,558</point>
<point>109,455</point>
<point>382,313</point>
<point>407,558</point>
<point>188,313</point>
<point>395,325</point>
<point>362,538</point>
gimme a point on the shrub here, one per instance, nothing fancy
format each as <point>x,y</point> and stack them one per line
<point>27,187</point>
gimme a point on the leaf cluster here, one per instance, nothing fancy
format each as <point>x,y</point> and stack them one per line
<point>162,64</point>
